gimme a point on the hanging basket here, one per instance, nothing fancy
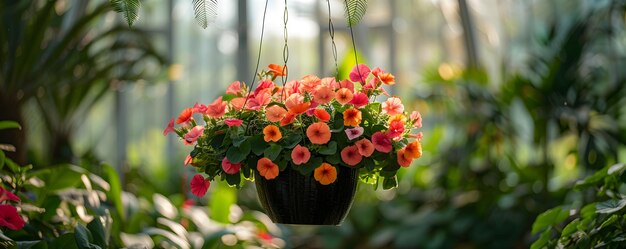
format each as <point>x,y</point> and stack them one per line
<point>293,198</point>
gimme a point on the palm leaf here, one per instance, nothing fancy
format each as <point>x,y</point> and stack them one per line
<point>205,11</point>
<point>355,10</point>
<point>128,8</point>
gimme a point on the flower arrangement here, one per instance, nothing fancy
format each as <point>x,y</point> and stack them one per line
<point>312,125</point>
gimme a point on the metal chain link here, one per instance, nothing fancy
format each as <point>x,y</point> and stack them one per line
<point>356,60</point>
<point>286,46</point>
<point>258,59</point>
<point>331,32</point>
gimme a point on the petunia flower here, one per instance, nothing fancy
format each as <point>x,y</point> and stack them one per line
<point>292,87</point>
<point>366,148</point>
<point>416,119</point>
<point>352,117</point>
<point>7,195</point>
<point>354,132</point>
<point>359,73</point>
<point>289,118</point>
<point>323,95</point>
<point>413,149</point>
<point>185,116</point>
<point>217,108</point>
<point>403,159</point>
<point>277,70</point>
<point>275,113</point>
<point>199,108</point>
<point>169,128</point>
<point>321,114</point>
<point>386,78</point>
<point>237,103</point>
<point>234,88</point>
<point>381,142</point>
<point>199,185</point>
<point>300,155</point>
<point>194,134</point>
<point>344,96</point>
<point>344,84</point>
<point>230,168</point>
<point>271,133</point>
<point>188,160</point>
<point>359,99</point>
<point>10,218</point>
<point>318,133</point>
<point>233,122</point>
<point>264,84</point>
<point>267,168</point>
<point>393,106</point>
<point>325,174</point>
<point>350,155</point>
<point>309,83</point>
<point>396,128</point>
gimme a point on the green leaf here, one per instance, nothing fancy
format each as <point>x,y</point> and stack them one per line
<point>329,149</point>
<point>368,163</point>
<point>570,228</point>
<point>355,10</point>
<point>333,159</point>
<point>232,180</point>
<point>549,218</point>
<point>205,11</point>
<point>238,154</point>
<point>258,144</point>
<point>228,96</point>
<point>222,198</point>
<point>291,141</point>
<point>273,151</point>
<point>84,238</point>
<point>65,241</point>
<point>97,230</point>
<point>543,240</point>
<point>337,125</point>
<point>390,182</point>
<point>612,219</point>
<point>239,140</point>
<point>5,124</point>
<point>310,166</point>
<point>617,168</point>
<point>593,179</point>
<point>2,158</point>
<point>128,8</point>
<point>588,211</point>
<point>610,206</point>
<point>115,194</point>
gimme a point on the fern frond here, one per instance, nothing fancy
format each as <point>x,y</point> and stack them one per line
<point>355,10</point>
<point>128,8</point>
<point>205,11</point>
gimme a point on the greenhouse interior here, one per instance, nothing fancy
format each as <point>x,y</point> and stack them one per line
<point>313,124</point>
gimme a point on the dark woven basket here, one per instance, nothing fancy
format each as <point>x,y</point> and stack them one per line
<point>292,198</point>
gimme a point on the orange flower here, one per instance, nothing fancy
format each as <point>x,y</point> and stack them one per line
<point>237,103</point>
<point>277,70</point>
<point>366,148</point>
<point>321,114</point>
<point>397,117</point>
<point>350,155</point>
<point>185,116</point>
<point>385,77</point>
<point>300,108</point>
<point>275,113</point>
<point>272,133</point>
<point>413,150</point>
<point>351,117</point>
<point>318,133</point>
<point>344,96</point>
<point>295,104</point>
<point>325,174</point>
<point>323,95</point>
<point>267,168</point>
<point>403,158</point>
<point>289,118</point>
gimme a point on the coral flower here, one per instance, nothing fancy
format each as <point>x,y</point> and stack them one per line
<point>230,168</point>
<point>264,85</point>
<point>234,88</point>
<point>275,113</point>
<point>366,148</point>
<point>267,168</point>
<point>350,155</point>
<point>217,108</point>
<point>359,99</point>
<point>199,185</point>
<point>321,114</point>
<point>194,134</point>
<point>169,128</point>
<point>277,70</point>
<point>318,133</point>
<point>292,87</point>
<point>300,155</point>
<point>188,160</point>
<point>344,84</point>
<point>237,103</point>
<point>324,95</point>
<point>413,150</point>
<point>199,108</point>
<point>352,117</point>
<point>393,106</point>
<point>381,142</point>
<point>7,195</point>
<point>233,122</point>
<point>185,116</point>
<point>396,128</point>
<point>416,119</point>
<point>10,218</point>
<point>325,174</point>
<point>344,96</point>
<point>310,82</point>
<point>354,132</point>
<point>272,133</point>
<point>300,108</point>
<point>359,73</point>
<point>386,78</point>
<point>403,159</point>
<point>289,118</point>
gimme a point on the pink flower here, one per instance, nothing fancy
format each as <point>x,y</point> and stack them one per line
<point>234,88</point>
<point>359,99</point>
<point>10,218</point>
<point>194,134</point>
<point>199,108</point>
<point>292,87</point>
<point>264,84</point>
<point>359,73</point>
<point>230,168</point>
<point>233,122</point>
<point>417,136</point>
<point>188,160</point>
<point>393,106</point>
<point>344,84</point>
<point>199,185</point>
<point>169,128</point>
<point>350,155</point>
<point>381,142</point>
<point>294,100</point>
<point>396,128</point>
<point>217,108</point>
<point>323,95</point>
<point>300,155</point>
<point>416,119</point>
<point>354,132</point>
<point>7,195</point>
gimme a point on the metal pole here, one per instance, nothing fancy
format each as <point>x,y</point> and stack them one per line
<point>468,35</point>
<point>242,46</point>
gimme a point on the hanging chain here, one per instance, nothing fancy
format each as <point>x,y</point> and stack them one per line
<point>331,32</point>
<point>258,59</point>
<point>356,60</point>
<point>286,46</point>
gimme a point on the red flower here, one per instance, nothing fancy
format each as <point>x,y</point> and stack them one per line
<point>170,127</point>
<point>321,114</point>
<point>381,142</point>
<point>199,185</point>
<point>10,218</point>
<point>359,99</point>
<point>230,168</point>
<point>396,128</point>
<point>264,84</point>
<point>199,108</point>
<point>185,116</point>
<point>233,122</point>
<point>7,195</point>
<point>359,73</point>
<point>289,118</point>
<point>350,155</point>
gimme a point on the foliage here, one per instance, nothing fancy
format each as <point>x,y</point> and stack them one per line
<point>128,9</point>
<point>205,11</point>
<point>355,10</point>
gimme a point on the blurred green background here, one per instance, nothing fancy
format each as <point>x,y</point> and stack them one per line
<point>520,99</point>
